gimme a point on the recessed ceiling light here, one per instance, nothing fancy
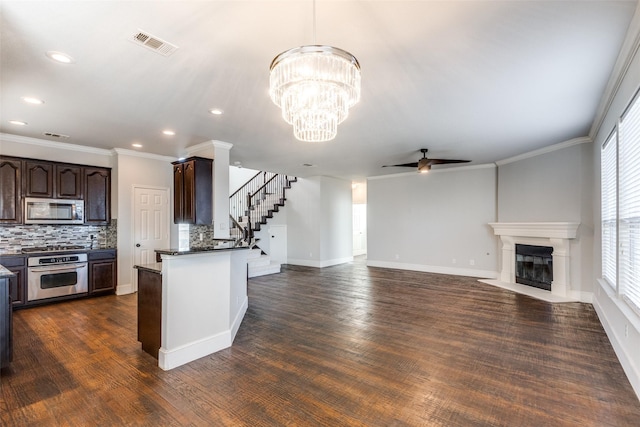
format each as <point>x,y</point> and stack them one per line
<point>60,57</point>
<point>216,111</point>
<point>17,122</point>
<point>32,100</point>
<point>181,159</point>
<point>168,132</point>
<point>136,145</point>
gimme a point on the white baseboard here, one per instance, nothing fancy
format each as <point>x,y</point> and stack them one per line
<point>124,289</point>
<point>485,274</point>
<point>169,359</point>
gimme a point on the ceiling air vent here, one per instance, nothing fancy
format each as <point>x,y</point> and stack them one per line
<point>153,43</point>
<point>55,135</point>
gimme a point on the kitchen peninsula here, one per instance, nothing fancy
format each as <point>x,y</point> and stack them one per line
<point>192,303</point>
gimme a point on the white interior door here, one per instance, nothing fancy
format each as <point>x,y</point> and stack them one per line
<point>278,243</point>
<point>150,225</point>
<point>359,229</point>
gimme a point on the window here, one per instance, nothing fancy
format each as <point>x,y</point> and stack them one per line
<point>609,206</point>
<point>620,188</point>
<point>629,204</point>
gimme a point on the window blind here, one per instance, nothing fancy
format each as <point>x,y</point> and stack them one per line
<point>629,204</point>
<point>608,184</point>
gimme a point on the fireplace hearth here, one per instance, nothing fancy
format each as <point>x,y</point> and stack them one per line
<point>534,266</point>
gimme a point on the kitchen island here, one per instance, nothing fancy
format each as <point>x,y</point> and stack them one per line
<point>192,303</point>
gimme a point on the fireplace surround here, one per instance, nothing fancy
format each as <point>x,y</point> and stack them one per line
<point>557,235</point>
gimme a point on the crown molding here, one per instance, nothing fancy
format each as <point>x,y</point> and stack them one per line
<point>53,144</point>
<point>133,153</point>
<point>545,150</point>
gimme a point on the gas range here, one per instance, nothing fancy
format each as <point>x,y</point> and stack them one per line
<point>52,248</point>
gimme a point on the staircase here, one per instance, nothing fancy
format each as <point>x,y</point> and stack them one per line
<point>251,206</point>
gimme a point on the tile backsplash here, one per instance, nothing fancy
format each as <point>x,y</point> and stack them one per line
<point>14,238</point>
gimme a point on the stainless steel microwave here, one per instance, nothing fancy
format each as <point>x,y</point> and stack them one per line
<point>53,211</point>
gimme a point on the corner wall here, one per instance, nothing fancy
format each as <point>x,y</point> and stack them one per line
<point>319,229</point>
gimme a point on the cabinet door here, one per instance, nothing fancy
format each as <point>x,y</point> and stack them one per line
<point>18,286</point>
<point>102,276</point>
<point>68,182</point>
<point>38,179</point>
<point>178,197</point>
<point>10,191</point>
<point>189,193</point>
<point>97,195</point>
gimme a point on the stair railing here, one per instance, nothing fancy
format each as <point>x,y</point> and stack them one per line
<point>257,200</point>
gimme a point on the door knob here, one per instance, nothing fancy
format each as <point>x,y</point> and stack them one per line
<point>137,245</point>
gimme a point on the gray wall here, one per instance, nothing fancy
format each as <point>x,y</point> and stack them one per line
<point>434,222</point>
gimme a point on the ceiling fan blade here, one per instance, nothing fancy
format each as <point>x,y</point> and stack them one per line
<point>445,161</point>
<point>404,165</point>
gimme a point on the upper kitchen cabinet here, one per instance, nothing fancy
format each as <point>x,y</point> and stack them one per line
<point>193,191</point>
<point>50,179</point>
<point>97,195</point>
<point>68,182</point>
<point>10,191</point>
<point>38,179</point>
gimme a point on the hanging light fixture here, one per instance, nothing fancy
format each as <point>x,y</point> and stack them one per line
<point>315,86</point>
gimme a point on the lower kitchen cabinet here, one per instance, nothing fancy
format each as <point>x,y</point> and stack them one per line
<point>6,326</point>
<point>102,271</point>
<point>18,283</point>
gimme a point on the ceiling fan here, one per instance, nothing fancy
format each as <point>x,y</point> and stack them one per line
<point>424,164</point>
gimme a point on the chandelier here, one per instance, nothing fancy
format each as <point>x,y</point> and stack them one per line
<point>315,85</point>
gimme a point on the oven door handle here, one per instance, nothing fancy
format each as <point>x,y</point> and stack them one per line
<point>70,267</point>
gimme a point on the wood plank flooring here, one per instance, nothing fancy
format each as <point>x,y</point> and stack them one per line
<point>346,345</point>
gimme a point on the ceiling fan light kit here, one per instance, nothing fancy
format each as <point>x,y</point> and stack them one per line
<point>315,85</point>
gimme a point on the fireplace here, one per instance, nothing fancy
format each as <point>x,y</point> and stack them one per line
<point>554,235</point>
<point>534,266</point>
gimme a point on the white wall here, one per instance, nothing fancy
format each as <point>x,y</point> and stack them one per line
<point>238,177</point>
<point>554,186</point>
<point>436,222</point>
<point>318,217</point>
<point>132,169</point>
<point>619,321</point>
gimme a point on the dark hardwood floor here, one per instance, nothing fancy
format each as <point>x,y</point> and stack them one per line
<point>340,346</point>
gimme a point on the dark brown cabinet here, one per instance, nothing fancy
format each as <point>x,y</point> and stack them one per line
<point>102,271</point>
<point>6,326</point>
<point>38,179</point>
<point>150,311</point>
<point>68,182</point>
<point>10,191</point>
<point>18,283</point>
<point>97,195</point>
<point>192,191</point>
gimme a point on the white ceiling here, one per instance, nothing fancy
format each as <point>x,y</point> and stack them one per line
<point>477,80</point>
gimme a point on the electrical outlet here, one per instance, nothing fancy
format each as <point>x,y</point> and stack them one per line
<point>397,256</point>
<point>472,262</point>
<point>626,330</point>
<point>453,261</point>
<point>201,237</point>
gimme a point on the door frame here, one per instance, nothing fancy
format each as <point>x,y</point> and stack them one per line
<point>132,243</point>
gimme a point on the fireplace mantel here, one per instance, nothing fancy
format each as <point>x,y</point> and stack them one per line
<point>554,234</point>
<point>556,230</point>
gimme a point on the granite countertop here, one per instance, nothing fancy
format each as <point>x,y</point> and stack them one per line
<point>155,267</point>
<point>4,273</point>
<point>83,251</point>
<point>228,246</point>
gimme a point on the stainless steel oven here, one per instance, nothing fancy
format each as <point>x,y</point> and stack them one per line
<point>56,275</point>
